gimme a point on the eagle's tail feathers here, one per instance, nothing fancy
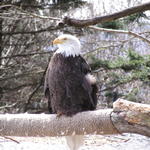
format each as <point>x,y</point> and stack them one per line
<point>74,142</point>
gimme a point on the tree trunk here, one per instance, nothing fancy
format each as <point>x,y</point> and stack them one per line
<point>124,117</point>
<point>1,40</point>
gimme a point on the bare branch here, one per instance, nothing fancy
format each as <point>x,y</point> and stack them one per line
<point>6,137</point>
<point>8,106</point>
<point>35,15</point>
<point>50,28</point>
<point>21,75</point>
<point>121,32</point>
<point>30,14</point>
<point>24,55</point>
<point>36,89</point>
<point>106,18</point>
<point>8,89</point>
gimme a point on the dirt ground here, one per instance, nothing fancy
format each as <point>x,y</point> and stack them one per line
<point>92,142</point>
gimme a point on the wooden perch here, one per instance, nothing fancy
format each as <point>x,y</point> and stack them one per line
<point>130,117</point>
<point>106,18</point>
<point>125,117</point>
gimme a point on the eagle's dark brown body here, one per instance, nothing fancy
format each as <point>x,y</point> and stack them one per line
<point>66,87</point>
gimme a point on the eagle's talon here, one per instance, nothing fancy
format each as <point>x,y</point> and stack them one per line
<point>59,114</point>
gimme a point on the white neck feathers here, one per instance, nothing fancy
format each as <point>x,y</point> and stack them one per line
<point>69,50</point>
<point>71,47</point>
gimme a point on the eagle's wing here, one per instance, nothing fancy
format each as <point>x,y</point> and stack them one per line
<point>85,68</point>
<point>90,88</point>
<point>46,88</point>
<point>47,91</point>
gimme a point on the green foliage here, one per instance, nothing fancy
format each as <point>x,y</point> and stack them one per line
<point>97,63</point>
<point>126,65</point>
<point>134,61</point>
<point>113,95</point>
<point>137,65</point>
<point>132,95</point>
<point>115,24</point>
<point>134,17</point>
<point>119,24</point>
<point>132,55</point>
<point>143,74</point>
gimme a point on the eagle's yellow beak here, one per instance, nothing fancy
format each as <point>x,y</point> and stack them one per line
<point>57,41</point>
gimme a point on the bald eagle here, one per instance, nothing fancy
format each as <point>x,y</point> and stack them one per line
<point>69,86</point>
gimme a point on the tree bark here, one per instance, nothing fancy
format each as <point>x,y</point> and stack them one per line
<point>1,40</point>
<point>106,18</point>
<point>123,118</point>
<point>129,117</point>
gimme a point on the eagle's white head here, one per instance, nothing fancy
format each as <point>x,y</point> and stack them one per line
<point>68,45</point>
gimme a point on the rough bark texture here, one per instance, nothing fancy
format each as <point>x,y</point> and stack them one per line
<point>131,117</point>
<point>91,122</point>
<point>1,47</point>
<point>125,117</point>
<point>101,19</point>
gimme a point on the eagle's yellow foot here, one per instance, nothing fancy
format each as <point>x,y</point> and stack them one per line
<point>59,114</point>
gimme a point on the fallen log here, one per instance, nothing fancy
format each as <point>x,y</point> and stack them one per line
<point>125,117</point>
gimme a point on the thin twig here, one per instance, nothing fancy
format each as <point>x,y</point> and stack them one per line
<point>8,106</point>
<point>35,90</point>
<point>118,84</point>
<point>32,14</point>
<point>50,28</point>
<point>121,32</point>
<point>6,137</point>
<point>24,55</point>
<point>21,74</point>
<point>100,48</point>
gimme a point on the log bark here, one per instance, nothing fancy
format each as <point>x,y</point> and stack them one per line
<point>106,18</point>
<point>97,122</point>
<point>1,39</point>
<point>129,117</point>
<point>123,118</point>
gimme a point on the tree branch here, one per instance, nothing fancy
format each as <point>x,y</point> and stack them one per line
<point>8,106</point>
<point>121,32</point>
<point>21,75</point>
<point>106,18</point>
<point>33,14</point>
<point>35,90</point>
<point>50,28</point>
<point>125,117</point>
<point>25,55</point>
<point>51,125</point>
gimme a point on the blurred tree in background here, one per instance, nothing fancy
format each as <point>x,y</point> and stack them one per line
<point>27,27</point>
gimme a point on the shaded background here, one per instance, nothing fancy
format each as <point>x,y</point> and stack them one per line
<point>120,62</point>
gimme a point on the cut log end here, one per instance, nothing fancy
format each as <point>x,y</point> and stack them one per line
<point>131,117</point>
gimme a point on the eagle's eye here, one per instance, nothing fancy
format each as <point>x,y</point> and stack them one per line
<point>64,38</point>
